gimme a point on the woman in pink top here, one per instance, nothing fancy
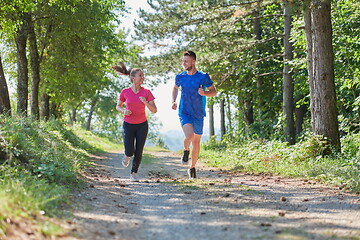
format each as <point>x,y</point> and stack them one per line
<point>135,126</point>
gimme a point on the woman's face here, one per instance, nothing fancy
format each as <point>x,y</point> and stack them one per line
<point>138,78</point>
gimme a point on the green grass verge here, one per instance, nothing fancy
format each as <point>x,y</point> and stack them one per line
<point>39,167</point>
<point>301,160</point>
<point>101,144</point>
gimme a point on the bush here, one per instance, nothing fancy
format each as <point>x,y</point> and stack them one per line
<point>40,163</point>
<point>304,159</point>
<point>47,150</point>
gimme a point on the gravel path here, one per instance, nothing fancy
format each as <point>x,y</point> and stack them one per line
<point>218,205</point>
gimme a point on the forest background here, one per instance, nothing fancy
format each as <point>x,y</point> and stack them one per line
<point>287,75</point>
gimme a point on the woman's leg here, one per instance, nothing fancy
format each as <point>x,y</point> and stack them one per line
<point>129,131</point>
<point>140,137</point>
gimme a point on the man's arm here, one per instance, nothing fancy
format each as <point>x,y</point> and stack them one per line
<point>211,91</point>
<point>174,97</point>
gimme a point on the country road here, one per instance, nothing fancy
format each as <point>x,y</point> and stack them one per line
<point>217,205</point>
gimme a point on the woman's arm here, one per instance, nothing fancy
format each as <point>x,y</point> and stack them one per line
<point>119,108</point>
<point>150,105</point>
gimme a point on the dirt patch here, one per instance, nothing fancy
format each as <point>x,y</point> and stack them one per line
<point>217,205</point>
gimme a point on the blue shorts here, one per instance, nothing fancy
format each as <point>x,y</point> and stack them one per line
<point>198,124</point>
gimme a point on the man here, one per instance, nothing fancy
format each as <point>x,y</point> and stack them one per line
<point>195,87</point>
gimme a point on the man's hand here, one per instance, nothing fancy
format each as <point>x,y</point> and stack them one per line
<point>174,106</point>
<point>201,91</point>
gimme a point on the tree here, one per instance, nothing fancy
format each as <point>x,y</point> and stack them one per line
<point>91,111</point>
<point>71,45</point>
<point>211,119</point>
<point>222,118</point>
<point>4,92</point>
<point>318,28</point>
<point>225,33</point>
<point>35,70</point>
<point>346,36</point>
<point>243,43</point>
<point>82,47</point>
<point>22,65</point>
<point>288,85</point>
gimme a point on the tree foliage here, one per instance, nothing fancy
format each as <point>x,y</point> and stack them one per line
<point>240,45</point>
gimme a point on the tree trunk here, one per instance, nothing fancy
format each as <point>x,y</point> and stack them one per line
<point>257,36</point>
<point>222,118</point>
<point>288,85</point>
<point>73,113</point>
<point>249,112</point>
<point>5,106</point>
<point>92,109</point>
<point>300,115</point>
<point>228,115</point>
<point>45,107</point>
<point>54,111</point>
<point>73,116</point>
<point>211,119</point>
<point>35,72</point>
<point>22,66</point>
<point>309,46</point>
<point>322,84</point>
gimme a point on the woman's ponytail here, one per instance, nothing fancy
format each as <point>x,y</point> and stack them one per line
<point>121,68</point>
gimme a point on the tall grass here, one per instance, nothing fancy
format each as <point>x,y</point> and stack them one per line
<point>305,159</point>
<point>39,166</point>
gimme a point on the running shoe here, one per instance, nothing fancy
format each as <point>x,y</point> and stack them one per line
<point>133,177</point>
<point>185,157</point>
<point>192,173</point>
<point>125,161</point>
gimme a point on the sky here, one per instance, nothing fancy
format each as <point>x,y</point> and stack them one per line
<point>162,92</point>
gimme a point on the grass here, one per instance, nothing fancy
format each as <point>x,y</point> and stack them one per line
<point>39,167</point>
<point>304,159</point>
<point>101,144</point>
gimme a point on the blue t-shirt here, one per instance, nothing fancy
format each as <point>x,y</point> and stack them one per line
<point>191,103</point>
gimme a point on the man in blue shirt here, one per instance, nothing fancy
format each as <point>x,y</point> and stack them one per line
<point>195,87</point>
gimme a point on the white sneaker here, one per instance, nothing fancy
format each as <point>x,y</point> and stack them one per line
<point>133,177</point>
<point>125,161</point>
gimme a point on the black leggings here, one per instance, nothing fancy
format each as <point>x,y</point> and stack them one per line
<point>134,141</point>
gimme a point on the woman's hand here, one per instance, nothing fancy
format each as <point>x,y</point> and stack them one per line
<point>127,112</point>
<point>150,105</point>
<point>143,99</point>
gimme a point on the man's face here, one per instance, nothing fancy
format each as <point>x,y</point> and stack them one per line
<point>188,63</point>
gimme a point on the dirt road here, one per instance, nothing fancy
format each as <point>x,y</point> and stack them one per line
<point>218,205</point>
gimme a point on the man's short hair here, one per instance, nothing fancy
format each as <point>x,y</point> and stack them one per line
<point>190,54</point>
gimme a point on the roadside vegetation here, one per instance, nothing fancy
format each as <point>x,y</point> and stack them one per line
<point>41,164</point>
<point>305,159</point>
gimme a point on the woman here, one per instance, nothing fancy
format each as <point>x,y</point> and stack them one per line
<point>135,126</point>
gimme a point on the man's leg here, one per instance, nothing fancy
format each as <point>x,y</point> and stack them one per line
<point>198,130</point>
<point>195,149</point>
<point>189,135</point>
